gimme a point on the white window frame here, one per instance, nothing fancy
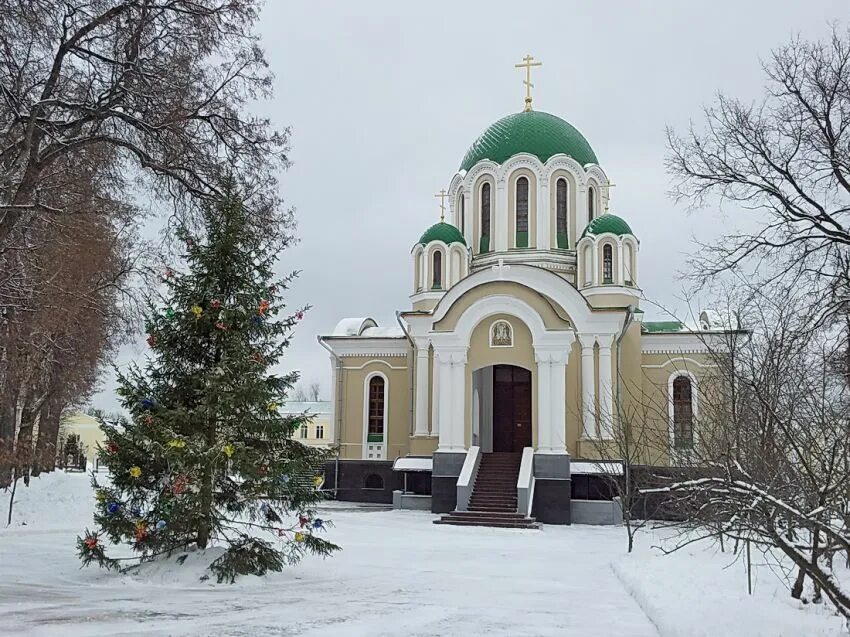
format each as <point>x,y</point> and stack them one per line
<point>374,450</point>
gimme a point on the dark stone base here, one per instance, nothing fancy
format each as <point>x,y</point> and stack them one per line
<point>358,480</point>
<point>552,501</point>
<point>443,494</point>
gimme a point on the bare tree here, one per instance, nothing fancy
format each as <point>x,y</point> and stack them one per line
<point>314,391</point>
<point>154,90</point>
<point>783,163</point>
<point>298,395</point>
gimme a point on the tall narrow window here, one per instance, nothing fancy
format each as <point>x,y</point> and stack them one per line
<point>484,246</point>
<point>561,213</point>
<point>683,413</point>
<point>376,409</point>
<point>607,264</point>
<point>591,203</point>
<point>522,212</point>
<point>438,270</point>
<point>460,219</point>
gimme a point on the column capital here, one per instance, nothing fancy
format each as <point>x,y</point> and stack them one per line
<point>587,342</point>
<point>551,355</point>
<point>605,341</point>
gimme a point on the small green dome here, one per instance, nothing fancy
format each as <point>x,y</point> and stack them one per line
<point>444,232</point>
<point>607,223</point>
<point>533,132</point>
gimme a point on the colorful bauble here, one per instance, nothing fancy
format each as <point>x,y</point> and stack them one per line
<point>90,541</point>
<point>264,469</point>
<point>147,403</point>
<point>180,483</point>
<point>100,495</point>
<point>197,310</point>
<point>112,508</point>
<point>284,479</point>
<point>111,447</point>
<point>141,530</point>
<point>227,450</point>
<point>148,419</point>
<point>318,481</point>
<point>299,315</point>
<point>220,325</point>
<point>299,537</point>
<point>272,407</point>
<point>152,340</point>
<point>215,304</point>
<point>176,443</point>
<point>257,357</point>
<point>169,313</point>
<point>272,289</point>
<point>317,523</point>
<point>264,306</point>
<point>257,320</point>
<point>303,521</point>
<point>135,471</point>
<point>169,273</point>
<point>160,525</point>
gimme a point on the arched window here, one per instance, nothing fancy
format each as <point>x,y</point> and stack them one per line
<point>591,203</point>
<point>376,409</point>
<point>522,212</point>
<point>484,246</point>
<point>561,213</point>
<point>438,270</point>
<point>607,264</point>
<point>460,219</point>
<point>683,413</point>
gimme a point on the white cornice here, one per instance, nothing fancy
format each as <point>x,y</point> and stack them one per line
<point>368,346</point>
<point>681,343</point>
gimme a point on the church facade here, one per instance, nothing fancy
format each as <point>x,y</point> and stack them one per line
<point>522,345</point>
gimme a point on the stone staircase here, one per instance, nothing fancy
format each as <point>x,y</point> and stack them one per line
<point>494,498</point>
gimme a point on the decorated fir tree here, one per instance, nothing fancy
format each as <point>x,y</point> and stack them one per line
<point>206,457</point>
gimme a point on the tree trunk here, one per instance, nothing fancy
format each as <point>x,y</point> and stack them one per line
<point>47,440</point>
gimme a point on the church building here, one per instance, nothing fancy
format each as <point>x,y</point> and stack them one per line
<point>494,396</point>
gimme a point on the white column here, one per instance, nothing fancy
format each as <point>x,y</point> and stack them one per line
<point>621,270</point>
<point>606,387</point>
<point>421,416</point>
<point>500,241</point>
<point>451,366</point>
<point>551,396</point>
<point>588,385</point>
<point>435,397</point>
<point>544,215</point>
<point>544,401</point>
<point>469,217</point>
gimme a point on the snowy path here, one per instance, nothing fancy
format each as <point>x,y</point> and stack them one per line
<point>397,574</point>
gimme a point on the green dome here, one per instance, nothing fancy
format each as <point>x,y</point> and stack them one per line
<point>533,132</point>
<point>607,223</point>
<point>444,232</point>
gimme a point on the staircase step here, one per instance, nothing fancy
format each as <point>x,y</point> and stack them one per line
<point>489,515</point>
<point>491,509</point>
<point>516,524</point>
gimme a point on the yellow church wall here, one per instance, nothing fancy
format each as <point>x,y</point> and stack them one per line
<point>611,300</point>
<point>355,370</point>
<point>532,207</point>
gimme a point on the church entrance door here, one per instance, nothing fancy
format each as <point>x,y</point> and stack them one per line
<point>511,408</point>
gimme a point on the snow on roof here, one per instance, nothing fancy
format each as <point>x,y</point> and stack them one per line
<point>413,463</point>
<point>312,406</point>
<point>365,327</point>
<point>589,467</point>
<point>353,326</point>
<point>383,332</point>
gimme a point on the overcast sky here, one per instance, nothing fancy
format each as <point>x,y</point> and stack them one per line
<point>384,98</point>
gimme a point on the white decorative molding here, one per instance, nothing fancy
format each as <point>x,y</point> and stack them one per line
<point>675,343</point>
<point>682,359</point>
<point>373,361</point>
<point>365,346</point>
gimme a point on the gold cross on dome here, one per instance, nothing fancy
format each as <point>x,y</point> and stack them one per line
<point>442,195</point>
<point>527,62</point>
<point>608,187</point>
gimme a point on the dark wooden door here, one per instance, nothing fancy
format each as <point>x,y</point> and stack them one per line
<point>511,408</point>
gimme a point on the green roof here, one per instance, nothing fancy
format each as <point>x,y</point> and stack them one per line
<point>533,132</point>
<point>658,327</point>
<point>607,223</point>
<point>444,232</point>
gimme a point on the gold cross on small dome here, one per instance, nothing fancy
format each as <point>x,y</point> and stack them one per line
<point>527,62</point>
<point>442,195</point>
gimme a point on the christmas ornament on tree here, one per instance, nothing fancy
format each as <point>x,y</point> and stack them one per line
<point>299,315</point>
<point>91,541</point>
<point>227,450</point>
<point>147,403</point>
<point>264,306</point>
<point>112,508</point>
<point>169,313</point>
<point>151,340</point>
<point>135,471</point>
<point>215,304</point>
<point>111,447</point>
<point>197,310</point>
<point>176,443</point>
<point>220,326</point>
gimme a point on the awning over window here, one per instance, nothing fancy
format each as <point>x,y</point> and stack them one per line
<point>602,468</point>
<point>413,463</point>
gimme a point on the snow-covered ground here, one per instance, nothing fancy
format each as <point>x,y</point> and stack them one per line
<point>397,574</point>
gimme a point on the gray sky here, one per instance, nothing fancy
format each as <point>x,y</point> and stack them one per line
<point>384,98</point>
